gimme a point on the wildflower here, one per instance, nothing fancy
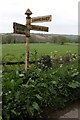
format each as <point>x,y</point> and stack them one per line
<point>71,68</point>
<point>60,59</point>
<point>51,56</point>
<point>17,72</point>
<point>6,93</point>
<point>75,74</point>
<point>75,69</point>
<point>43,65</point>
<point>61,65</point>
<point>30,79</point>
<point>12,81</point>
<point>55,51</point>
<point>70,60</point>
<point>39,69</point>
<point>74,59</point>
<point>66,51</point>
<point>9,91</point>
<point>51,52</point>
<point>21,75</point>
<point>72,54</point>
<point>38,63</point>
<point>51,68</point>
<point>69,51</point>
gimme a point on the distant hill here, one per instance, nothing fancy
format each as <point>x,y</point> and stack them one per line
<point>37,38</point>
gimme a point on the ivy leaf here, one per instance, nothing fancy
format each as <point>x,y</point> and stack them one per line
<point>35,106</point>
<point>14,112</point>
<point>74,84</point>
<point>54,82</point>
<point>75,74</point>
<point>39,97</point>
<point>31,110</point>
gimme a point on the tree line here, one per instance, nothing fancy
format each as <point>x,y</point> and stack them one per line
<point>13,39</point>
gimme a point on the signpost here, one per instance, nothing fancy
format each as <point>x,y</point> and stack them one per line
<point>25,29</point>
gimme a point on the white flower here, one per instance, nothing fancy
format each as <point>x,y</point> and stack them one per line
<point>30,79</point>
<point>66,51</point>
<point>51,52</point>
<point>38,63</point>
<point>72,54</point>
<point>70,60</point>
<point>9,91</point>
<point>12,81</point>
<point>61,65</point>
<point>71,68</point>
<point>60,59</point>
<point>55,51</point>
<point>39,69</point>
<point>74,59</point>
<point>21,75</point>
<point>6,93</point>
<point>51,56</point>
<point>69,50</point>
<point>43,65</point>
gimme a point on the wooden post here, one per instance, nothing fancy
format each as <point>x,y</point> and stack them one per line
<point>28,23</point>
<point>22,29</point>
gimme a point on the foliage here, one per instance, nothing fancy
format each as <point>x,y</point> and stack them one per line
<point>45,62</point>
<point>12,39</point>
<point>60,39</point>
<point>39,38</point>
<point>27,94</point>
<point>7,39</point>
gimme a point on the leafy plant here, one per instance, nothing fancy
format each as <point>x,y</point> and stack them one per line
<point>27,94</point>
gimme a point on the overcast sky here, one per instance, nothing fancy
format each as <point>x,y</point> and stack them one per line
<point>64,14</point>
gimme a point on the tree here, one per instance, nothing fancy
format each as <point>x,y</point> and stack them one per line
<point>14,40</point>
<point>9,38</point>
<point>54,39</point>
<point>62,40</point>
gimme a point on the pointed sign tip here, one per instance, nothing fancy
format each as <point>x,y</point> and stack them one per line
<point>28,12</point>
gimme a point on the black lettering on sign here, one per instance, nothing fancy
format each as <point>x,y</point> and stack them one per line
<point>42,19</point>
<point>39,28</point>
<point>19,28</point>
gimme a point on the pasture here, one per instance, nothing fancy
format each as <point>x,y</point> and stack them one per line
<point>14,52</point>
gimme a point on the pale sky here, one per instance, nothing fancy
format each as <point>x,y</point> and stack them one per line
<point>64,14</point>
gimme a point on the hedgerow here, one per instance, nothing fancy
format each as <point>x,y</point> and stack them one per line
<point>27,94</point>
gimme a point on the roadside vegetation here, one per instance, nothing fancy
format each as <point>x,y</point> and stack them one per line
<point>49,83</point>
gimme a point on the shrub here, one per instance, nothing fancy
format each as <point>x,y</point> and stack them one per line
<point>45,62</point>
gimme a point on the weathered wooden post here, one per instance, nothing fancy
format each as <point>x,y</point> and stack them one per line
<point>25,29</point>
<point>28,23</point>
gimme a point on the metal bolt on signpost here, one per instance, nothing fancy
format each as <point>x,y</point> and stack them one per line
<point>22,29</point>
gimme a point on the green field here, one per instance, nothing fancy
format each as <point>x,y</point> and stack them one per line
<point>13,52</point>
